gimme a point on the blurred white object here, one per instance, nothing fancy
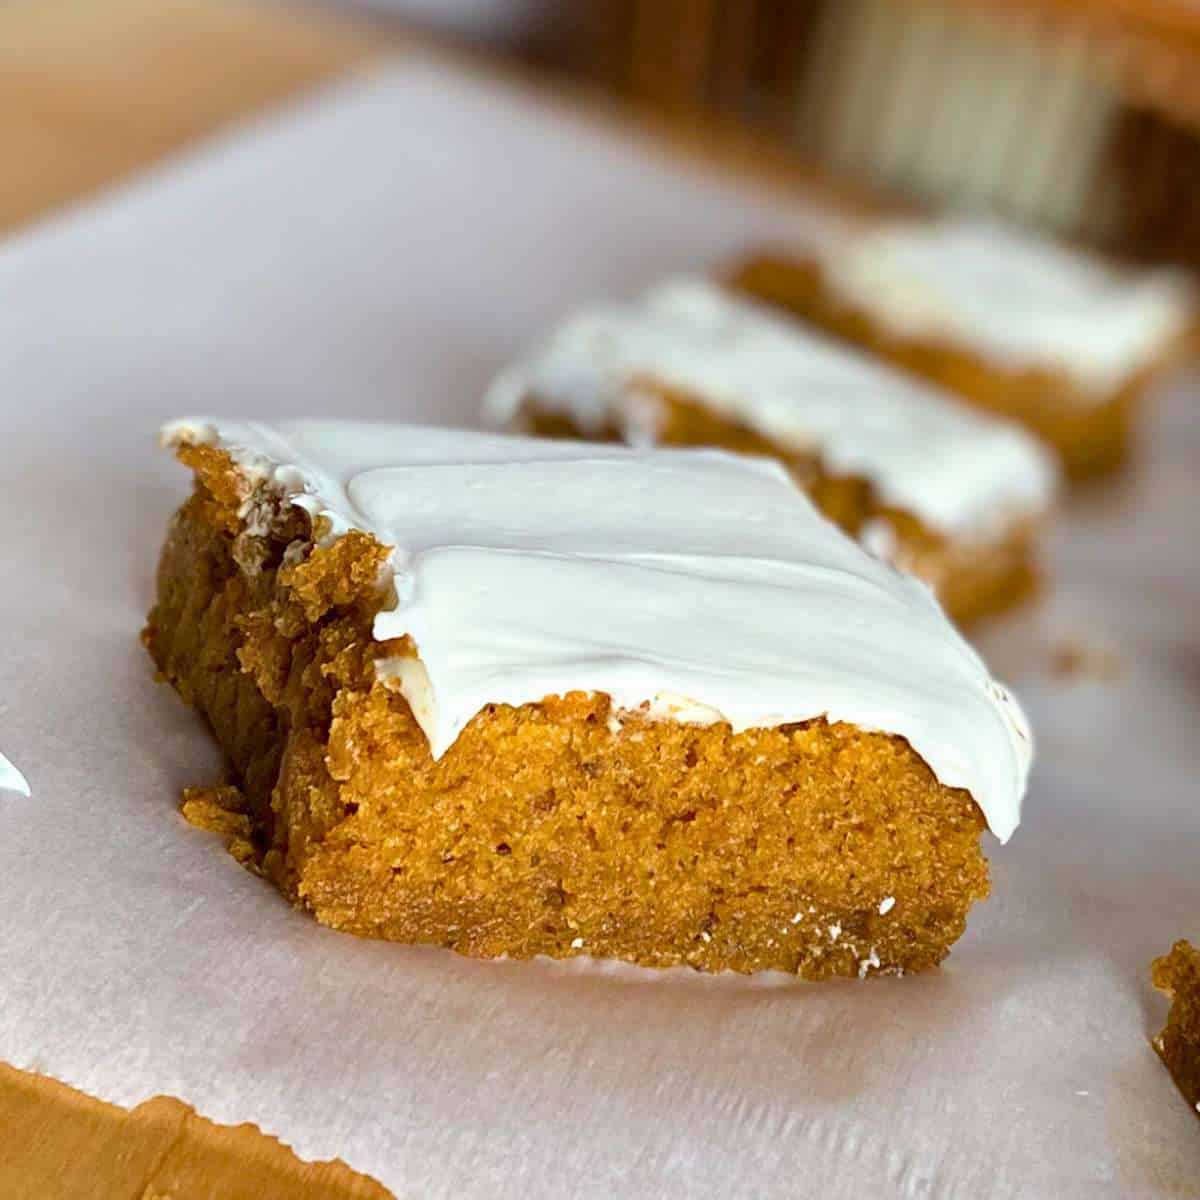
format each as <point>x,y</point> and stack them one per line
<point>11,779</point>
<point>962,106</point>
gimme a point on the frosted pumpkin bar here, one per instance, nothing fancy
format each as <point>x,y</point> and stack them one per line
<point>943,492</point>
<point>1051,336</point>
<point>518,697</point>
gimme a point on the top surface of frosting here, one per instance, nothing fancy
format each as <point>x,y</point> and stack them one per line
<point>702,583</point>
<point>959,471</point>
<point>1010,295</point>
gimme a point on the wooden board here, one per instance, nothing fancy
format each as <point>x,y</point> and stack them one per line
<point>91,90</point>
<point>58,1144</point>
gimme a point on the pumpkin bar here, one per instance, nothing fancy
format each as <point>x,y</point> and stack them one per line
<point>526,697</point>
<point>1053,337</point>
<point>1177,974</point>
<point>945,493</point>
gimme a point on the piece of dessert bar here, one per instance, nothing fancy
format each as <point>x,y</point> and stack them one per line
<point>941,491</point>
<point>517,697</point>
<point>1056,338</point>
<point>1177,974</point>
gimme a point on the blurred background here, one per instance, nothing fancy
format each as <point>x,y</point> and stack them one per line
<point>1079,117</point>
<point>1082,118</point>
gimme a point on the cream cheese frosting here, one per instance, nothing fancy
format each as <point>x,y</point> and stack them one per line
<point>1010,295</point>
<point>700,584</point>
<point>11,780</point>
<point>961,472</point>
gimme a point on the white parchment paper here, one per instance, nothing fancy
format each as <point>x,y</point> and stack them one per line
<point>379,252</point>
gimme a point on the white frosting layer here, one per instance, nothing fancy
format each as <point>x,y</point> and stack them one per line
<point>11,780</point>
<point>1011,296</point>
<point>962,473</point>
<point>701,583</point>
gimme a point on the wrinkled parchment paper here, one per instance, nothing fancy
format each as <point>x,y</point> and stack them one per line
<point>378,252</point>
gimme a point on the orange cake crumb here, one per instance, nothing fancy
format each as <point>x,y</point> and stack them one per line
<point>1177,974</point>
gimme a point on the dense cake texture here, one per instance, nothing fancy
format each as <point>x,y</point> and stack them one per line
<point>1177,974</point>
<point>569,825</point>
<point>938,491</point>
<point>1059,341</point>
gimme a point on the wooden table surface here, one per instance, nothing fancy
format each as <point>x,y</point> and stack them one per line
<point>93,90</point>
<point>90,92</point>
